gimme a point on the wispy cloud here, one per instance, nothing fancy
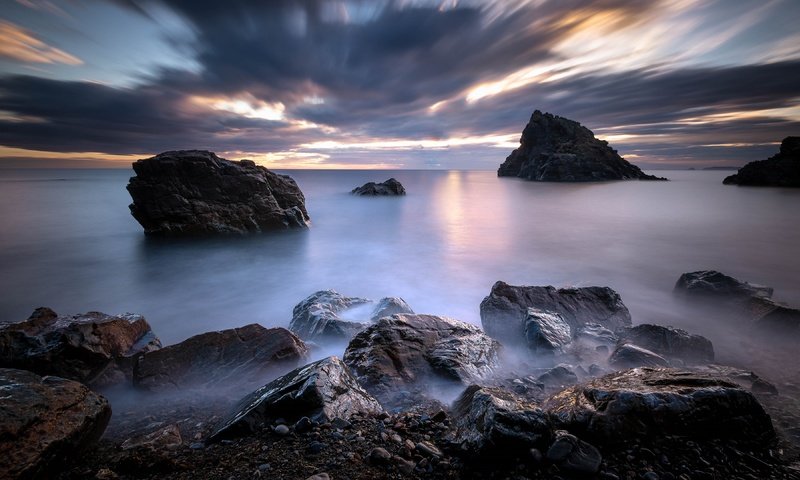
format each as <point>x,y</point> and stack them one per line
<point>18,44</point>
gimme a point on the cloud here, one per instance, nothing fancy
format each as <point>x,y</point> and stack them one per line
<point>18,44</point>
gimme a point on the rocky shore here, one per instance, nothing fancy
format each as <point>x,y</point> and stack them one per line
<point>561,384</point>
<point>780,170</point>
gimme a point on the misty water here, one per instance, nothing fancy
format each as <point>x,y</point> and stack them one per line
<point>69,242</point>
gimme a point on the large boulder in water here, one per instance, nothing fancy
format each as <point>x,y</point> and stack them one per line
<point>671,343</point>
<point>390,187</point>
<point>194,192</point>
<point>780,170</point>
<point>646,402</point>
<point>329,315</point>
<point>407,350</point>
<point>92,348</point>
<point>505,311</point>
<point>239,357</point>
<point>556,149</point>
<point>44,422</point>
<point>321,391</point>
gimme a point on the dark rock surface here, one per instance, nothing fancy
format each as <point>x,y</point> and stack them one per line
<point>93,348</point>
<point>45,421</point>
<point>654,401</point>
<point>780,170</point>
<point>556,149</point>
<point>320,315</point>
<point>671,343</point>
<point>573,454</point>
<point>321,391</point>
<point>245,356</point>
<point>505,311</point>
<point>713,284</point>
<point>404,350</point>
<point>629,356</point>
<point>546,333</point>
<point>194,192</point>
<point>389,187</point>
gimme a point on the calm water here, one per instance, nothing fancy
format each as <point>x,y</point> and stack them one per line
<point>68,242</point>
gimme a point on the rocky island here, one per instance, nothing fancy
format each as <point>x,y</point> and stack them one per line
<point>779,170</point>
<point>556,149</point>
<point>195,192</point>
<point>388,188</point>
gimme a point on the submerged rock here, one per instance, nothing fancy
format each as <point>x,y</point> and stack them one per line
<point>321,391</point>
<point>505,311</point>
<point>194,192</point>
<point>405,349</point>
<point>236,357</point>
<point>644,402</point>
<point>715,285</point>
<point>780,170</point>
<point>389,187</point>
<point>556,149</point>
<point>44,422</point>
<point>92,348</point>
<point>669,342</point>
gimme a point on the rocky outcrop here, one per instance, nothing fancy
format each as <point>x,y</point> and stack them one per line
<point>194,192</point>
<point>671,343</point>
<point>45,421</point>
<point>780,170</point>
<point>404,350</point>
<point>239,357</point>
<point>329,315</point>
<point>556,149</point>
<point>322,391</point>
<point>505,311</point>
<point>92,348</point>
<point>711,284</point>
<point>644,402</point>
<point>389,187</point>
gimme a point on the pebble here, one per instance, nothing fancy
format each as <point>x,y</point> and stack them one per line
<point>316,447</point>
<point>379,456</point>
<point>650,476</point>
<point>197,446</point>
<point>282,430</point>
<point>428,448</point>
<point>319,476</point>
<point>303,425</point>
<point>264,467</point>
<point>341,424</point>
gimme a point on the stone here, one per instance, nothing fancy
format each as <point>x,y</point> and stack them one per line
<point>505,310</point>
<point>714,284</point>
<point>573,454</point>
<point>389,306</point>
<point>558,376</point>
<point>195,192</point>
<point>627,356</point>
<point>406,350</point>
<point>670,343</point>
<point>319,476</point>
<point>556,149</point>
<point>595,335</point>
<point>167,438</point>
<point>322,391</point>
<point>429,449</point>
<point>779,170</point>
<point>45,422</point>
<point>546,333</point>
<point>282,430</point>
<point>646,402</point>
<point>390,187</point>
<point>93,348</point>
<point>242,357</point>
<point>379,456</point>
<point>493,421</point>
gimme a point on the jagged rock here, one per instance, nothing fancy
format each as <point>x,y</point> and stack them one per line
<point>492,421</point>
<point>44,422</point>
<point>744,378</point>
<point>670,343</point>
<point>329,315</point>
<point>627,356</point>
<point>595,335</point>
<point>321,391</point>
<point>558,376</point>
<point>389,187</point>
<point>780,170</point>
<point>242,357</point>
<point>92,348</point>
<point>556,149</point>
<point>713,284</point>
<point>505,311</point>
<point>546,332</point>
<point>406,349</point>
<point>168,438</point>
<point>194,192</point>
<point>573,454</point>
<point>644,402</point>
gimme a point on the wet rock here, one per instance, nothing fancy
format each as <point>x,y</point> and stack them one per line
<point>92,348</point>
<point>282,430</point>
<point>671,343</point>
<point>493,421</point>
<point>627,356</point>
<point>505,311</point>
<point>243,357</point>
<point>45,421</point>
<point>594,335</point>
<point>546,333</point>
<point>194,192</point>
<point>780,170</point>
<point>643,402</point>
<point>389,187</point>
<point>713,284</point>
<point>329,315</point>
<point>322,391</point>
<point>406,349</point>
<point>556,149</point>
<point>573,454</point>
<point>168,437</point>
<point>558,376</point>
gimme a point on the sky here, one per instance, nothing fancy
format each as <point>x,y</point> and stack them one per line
<point>403,84</point>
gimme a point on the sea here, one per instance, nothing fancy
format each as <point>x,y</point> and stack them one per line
<point>68,242</point>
